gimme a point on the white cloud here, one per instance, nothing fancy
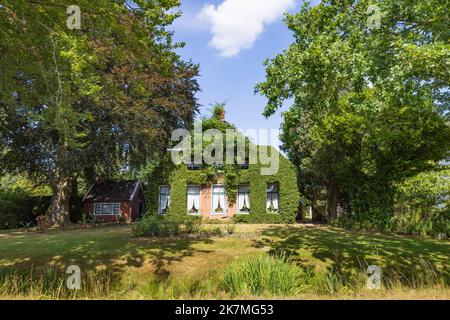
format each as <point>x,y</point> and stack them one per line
<point>236,24</point>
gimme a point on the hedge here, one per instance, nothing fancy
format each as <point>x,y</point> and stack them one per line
<point>19,209</point>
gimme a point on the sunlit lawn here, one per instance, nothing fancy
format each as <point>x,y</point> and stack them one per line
<point>144,264</point>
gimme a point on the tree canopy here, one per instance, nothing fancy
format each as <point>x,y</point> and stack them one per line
<point>370,101</point>
<point>79,102</point>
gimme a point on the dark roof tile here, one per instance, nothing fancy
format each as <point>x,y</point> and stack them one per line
<point>111,191</point>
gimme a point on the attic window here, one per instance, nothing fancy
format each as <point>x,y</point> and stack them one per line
<point>193,166</point>
<point>243,165</point>
<point>107,209</point>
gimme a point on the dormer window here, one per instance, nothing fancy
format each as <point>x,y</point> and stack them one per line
<point>243,165</point>
<point>194,166</point>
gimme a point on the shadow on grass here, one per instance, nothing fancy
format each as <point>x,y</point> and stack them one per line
<point>345,252</point>
<point>112,249</point>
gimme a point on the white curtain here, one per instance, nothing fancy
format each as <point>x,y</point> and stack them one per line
<point>164,198</point>
<point>243,197</point>
<point>272,196</point>
<point>193,199</point>
<point>219,199</point>
<point>275,200</point>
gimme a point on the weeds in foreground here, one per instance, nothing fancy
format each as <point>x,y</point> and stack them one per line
<point>50,283</point>
<point>262,274</point>
<point>258,275</point>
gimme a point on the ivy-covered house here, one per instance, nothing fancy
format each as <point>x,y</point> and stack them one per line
<point>239,191</point>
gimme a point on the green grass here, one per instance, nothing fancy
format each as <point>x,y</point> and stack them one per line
<point>331,260</point>
<point>261,274</point>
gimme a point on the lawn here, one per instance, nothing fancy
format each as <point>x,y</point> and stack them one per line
<point>190,267</point>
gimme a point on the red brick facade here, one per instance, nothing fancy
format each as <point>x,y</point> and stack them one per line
<point>129,210</point>
<point>206,206</point>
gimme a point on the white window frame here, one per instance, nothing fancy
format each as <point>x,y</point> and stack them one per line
<point>159,197</point>
<point>101,204</point>
<point>237,199</point>
<point>212,200</point>
<point>199,199</point>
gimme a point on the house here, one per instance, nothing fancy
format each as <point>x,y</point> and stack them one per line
<point>239,192</point>
<point>109,201</point>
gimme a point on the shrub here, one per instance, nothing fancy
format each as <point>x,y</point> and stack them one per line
<point>216,231</point>
<point>165,225</point>
<point>230,228</point>
<point>261,274</point>
<point>274,218</point>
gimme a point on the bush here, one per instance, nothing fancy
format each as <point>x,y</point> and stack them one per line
<point>20,209</point>
<point>230,228</point>
<point>153,225</point>
<point>264,218</point>
<point>261,274</point>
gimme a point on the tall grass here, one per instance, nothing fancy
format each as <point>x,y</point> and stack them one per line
<point>259,275</point>
<point>266,275</point>
<point>50,283</point>
<point>262,274</point>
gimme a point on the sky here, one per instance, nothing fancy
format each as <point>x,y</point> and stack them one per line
<point>230,39</point>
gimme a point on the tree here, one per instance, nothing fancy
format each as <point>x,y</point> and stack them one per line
<point>370,105</point>
<point>95,100</point>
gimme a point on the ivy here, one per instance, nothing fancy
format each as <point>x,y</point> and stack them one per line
<point>179,177</point>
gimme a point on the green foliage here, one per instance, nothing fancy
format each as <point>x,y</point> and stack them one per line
<point>230,228</point>
<point>271,218</point>
<point>50,283</point>
<point>89,101</point>
<point>179,177</point>
<point>218,111</point>
<point>370,106</point>
<point>231,175</point>
<point>261,274</point>
<point>421,207</point>
<point>423,204</point>
<point>155,225</point>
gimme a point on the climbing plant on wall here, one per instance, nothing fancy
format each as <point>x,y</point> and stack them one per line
<point>231,175</point>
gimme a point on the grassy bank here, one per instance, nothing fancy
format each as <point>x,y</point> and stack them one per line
<point>331,263</point>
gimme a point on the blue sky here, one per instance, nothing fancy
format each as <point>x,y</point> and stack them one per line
<point>232,64</point>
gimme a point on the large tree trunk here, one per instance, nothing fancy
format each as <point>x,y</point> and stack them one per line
<point>332,200</point>
<point>62,189</point>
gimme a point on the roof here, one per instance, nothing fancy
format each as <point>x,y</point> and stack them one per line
<point>113,191</point>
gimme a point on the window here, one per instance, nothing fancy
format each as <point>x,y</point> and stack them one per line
<point>243,199</point>
<point>193,199</point>
<point>164,199</point>
<point>194,166</point>
<point>272,198</point>
<point>218,199</point>
<point>107,208</point>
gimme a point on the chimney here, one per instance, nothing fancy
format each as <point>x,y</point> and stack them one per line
<point>219,113</point>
